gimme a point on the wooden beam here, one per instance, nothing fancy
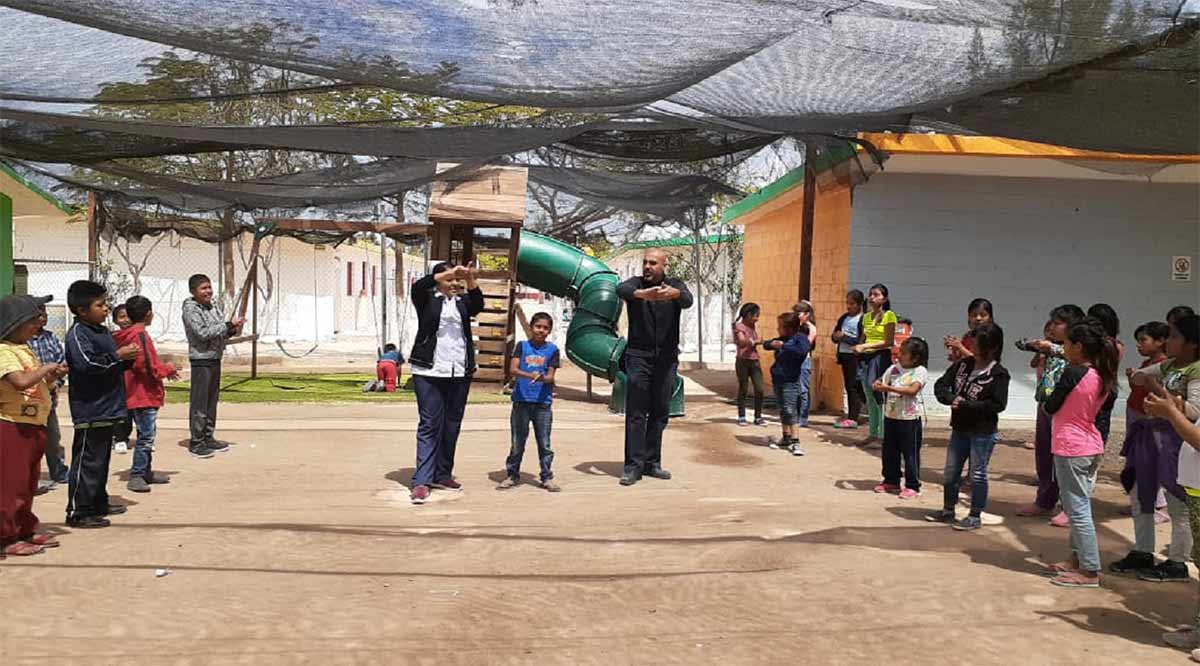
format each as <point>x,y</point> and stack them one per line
<point>806,234</point>
<point>93,234</point>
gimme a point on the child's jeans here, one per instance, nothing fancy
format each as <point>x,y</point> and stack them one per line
<point>146,420</point>
<point>787,396</point>
<point>805,393</point>
<point>963,447</point>
<point>542,418</point>
<point>902,442</point>
<point>1076,479</point>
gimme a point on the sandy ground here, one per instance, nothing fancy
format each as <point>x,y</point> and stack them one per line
<point>300,547</point>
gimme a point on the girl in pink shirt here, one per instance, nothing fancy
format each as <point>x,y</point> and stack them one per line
<point>749,371</point>
<point>1082,391</point>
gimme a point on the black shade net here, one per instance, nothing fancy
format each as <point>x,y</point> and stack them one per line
<point>1100,74</point>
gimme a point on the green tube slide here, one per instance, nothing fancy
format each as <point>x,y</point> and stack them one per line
<point>592,341</point>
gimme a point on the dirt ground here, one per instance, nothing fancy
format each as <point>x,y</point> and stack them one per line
<point>300,547</point>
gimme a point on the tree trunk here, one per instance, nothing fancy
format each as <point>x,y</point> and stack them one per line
<point>227,251</point>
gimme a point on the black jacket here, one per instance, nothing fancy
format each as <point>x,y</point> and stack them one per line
<point>97,387</point>
<point>429,313</point>
<point>653,325</point>
<point>984,397</point>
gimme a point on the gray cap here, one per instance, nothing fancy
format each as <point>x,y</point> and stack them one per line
<point>16,310</point>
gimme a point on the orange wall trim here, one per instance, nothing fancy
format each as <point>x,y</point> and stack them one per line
<point>988,146</point>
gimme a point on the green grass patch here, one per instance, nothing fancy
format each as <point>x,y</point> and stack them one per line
<point>335,387</point>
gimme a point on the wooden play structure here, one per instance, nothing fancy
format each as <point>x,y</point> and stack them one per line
<point>478,217</point>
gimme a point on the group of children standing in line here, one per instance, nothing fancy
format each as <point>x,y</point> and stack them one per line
<point>115,378</point>
<point>1078,362</point>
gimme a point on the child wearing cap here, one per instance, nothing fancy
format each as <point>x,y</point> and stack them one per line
<point>24,409</point>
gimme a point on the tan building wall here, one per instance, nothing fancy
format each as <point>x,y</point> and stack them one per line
<point>771,273</point>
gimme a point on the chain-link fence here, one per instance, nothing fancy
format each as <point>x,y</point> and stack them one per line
<point>319,302</point>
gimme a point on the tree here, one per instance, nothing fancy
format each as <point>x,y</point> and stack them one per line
<point>238,92</point>
<point>978,64</point>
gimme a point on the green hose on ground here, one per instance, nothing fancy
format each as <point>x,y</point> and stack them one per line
<point>566,271</point>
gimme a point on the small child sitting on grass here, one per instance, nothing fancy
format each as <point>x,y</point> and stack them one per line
<point>534,365</point>
<point>387,369</point>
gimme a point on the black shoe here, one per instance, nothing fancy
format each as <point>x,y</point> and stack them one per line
<point>200,451</point>
<point>943,516</point>
<point>115,510</point>
<point>88,522</point>
<point>1166,572</point>
<point>217,445</point>
<point>138,485</point>
<point>657,472</point>
<point>1135,561</point>
<point>630,478</point>
<point>157,477</point>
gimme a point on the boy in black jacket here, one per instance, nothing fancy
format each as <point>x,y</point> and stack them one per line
<point>97,399</point>
<point>976,389</point>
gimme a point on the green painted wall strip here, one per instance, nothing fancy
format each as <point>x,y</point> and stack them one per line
<point>33,187</point>
<point>6,245</point>
<point>791,179</point>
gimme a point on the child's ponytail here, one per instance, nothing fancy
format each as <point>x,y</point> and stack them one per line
<point>1099,349</point>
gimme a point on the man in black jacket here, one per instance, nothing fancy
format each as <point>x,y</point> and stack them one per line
<point>653,304</point>
<point>442,361</point>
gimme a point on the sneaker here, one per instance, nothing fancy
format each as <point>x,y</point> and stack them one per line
<point>1061,520</point>
<point>1031,510</point>
<point>88,522</point>
<point>447,484</point>
<point>420,494</point>
<point>507,483</point>
<point>550,486</point>
<point>1165,572</point>
<point>200,451</point>
<point>138,484</point>
<point>121,447</point>
<point>886,488</point>
<point>1184,639</point>
<point>742,421</point>
<point>630,478</point>
<point>760,422</point>
<point>968,524</point>
<point>1135,561</point>
<point>943,516</point>
<point>909,493</point>
<point>990,518</point>
<point>776,444</point>
<point>154,478</point>
<point>217,445</point>
<point>44,487</point>
<point>796,450</point>
<point>1076,579</point>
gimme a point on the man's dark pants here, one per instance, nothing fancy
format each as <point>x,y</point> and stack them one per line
<point>648,387</point>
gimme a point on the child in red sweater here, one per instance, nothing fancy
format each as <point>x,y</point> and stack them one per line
<point>144,392</point>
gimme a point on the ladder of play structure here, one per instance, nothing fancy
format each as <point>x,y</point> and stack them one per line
<point>494,329</point>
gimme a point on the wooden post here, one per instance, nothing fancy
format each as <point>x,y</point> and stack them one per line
<point>383,297</point>
<point>806,227</point>
<point>589,384</point>
<point>254,322</point>
<point>93,235</point>
<point>699,285</point>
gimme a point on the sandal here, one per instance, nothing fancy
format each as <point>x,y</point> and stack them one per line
<point>44,540</point>
<point>22,549</point>
<point>1075,579</point>
<point>1060,568</point>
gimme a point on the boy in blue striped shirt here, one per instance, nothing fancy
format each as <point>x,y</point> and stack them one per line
<point>534,365</point>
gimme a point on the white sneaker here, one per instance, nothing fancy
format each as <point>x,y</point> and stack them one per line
<point>121,447</point>
<point>796,450</point>
<point>773,443</point>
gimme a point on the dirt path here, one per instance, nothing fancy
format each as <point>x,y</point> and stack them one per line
<point>300,547</point>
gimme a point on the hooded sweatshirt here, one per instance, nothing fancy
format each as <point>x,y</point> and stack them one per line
<point>144,379</point>
<point>984,395</point>
<point>207,331</point>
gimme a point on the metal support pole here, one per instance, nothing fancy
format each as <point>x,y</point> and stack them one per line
<point>724,292</point>
<point>7,269</point>
<point>589,384</point>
